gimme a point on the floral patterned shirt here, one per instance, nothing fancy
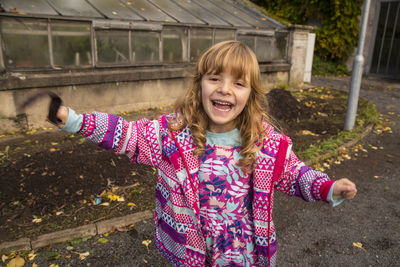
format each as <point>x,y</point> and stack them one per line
<point>225,203</point>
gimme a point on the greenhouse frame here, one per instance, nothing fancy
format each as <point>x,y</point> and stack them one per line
<point>121,55</point>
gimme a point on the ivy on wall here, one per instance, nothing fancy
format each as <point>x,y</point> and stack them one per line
<point>336,22</point>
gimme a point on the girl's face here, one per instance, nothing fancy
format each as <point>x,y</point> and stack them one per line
<point>224,98</point>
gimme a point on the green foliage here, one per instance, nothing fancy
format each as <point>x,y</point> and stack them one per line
<point>328,67</point>
<point>337,19</point>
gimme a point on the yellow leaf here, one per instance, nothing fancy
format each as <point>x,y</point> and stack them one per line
<point>52,149</point>
<point>37,220</point>
<point>34,265</point>
<point>131,204</point>
<point>121,199</point>
<point>54,143</point>
<point>377,177</point>
<point>4,258</point>
<point>307,132</point>
<point>146,243</point>
<point>59,213</point>
<point>16,262</point>
<point>358,245</point>
<point>106,204</point>
<point>83,256</point>
<point>31,255</point>
<point>33,131</point>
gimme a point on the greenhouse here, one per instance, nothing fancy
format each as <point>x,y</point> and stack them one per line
<point>121,55</point>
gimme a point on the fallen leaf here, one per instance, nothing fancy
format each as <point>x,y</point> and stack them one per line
<point>83,256</point>
<point>4,258</point>
<point>146,243</point>
<point>377,177</point>
<point>33,131</point>
<point>70,247</point>
<point>59,213</point>
<point>359,245</point>
<point>37,220</point>
<point>34,265</point>
<point>307,132</point>
<point>53,265</point>
<point>52,150</point>
<point>16,262</point>
<point>102,240</point>
<point>130,204</point>
<point>31,255</point>
<point>54,143</point>
<point>51,255</point>
<point>121,199</point>
<point>106,204</point>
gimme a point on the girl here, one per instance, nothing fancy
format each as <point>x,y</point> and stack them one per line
<point>219,161</point>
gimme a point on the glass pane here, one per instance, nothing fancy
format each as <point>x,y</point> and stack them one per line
<point>174,44</point>
<point>281,45</point>
<point>201,12</point>
<point>29,7</point>
<point>112,47</point>
<point>224,35</point>
<point>200,40</point>
<point>71,43</point>
<point>145,47</point>
<point>271,48</point>
<point>247,40</point>
<point>78,8</point>
<point>265,48</point>
<point>228,16</point>
<point>252,19</point>
<point>25,43</point>
<point>147,10</point>
<point>176,11</point>
<point>114,9</point>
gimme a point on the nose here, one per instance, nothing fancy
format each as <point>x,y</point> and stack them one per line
<point>224,88</point>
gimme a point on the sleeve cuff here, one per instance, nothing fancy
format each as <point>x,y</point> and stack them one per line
<point>73,123</point>
<point>333,202</point>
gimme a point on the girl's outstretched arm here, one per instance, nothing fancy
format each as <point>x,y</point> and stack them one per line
<point>344,188</point>
<point>139,140</point>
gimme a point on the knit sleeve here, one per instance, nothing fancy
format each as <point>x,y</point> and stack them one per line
<point>302,181</point>
<point>139,140</point>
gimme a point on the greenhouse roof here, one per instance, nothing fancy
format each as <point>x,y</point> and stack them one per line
<point>219,13</point>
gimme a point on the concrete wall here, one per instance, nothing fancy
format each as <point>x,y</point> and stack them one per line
<point>297,52</point>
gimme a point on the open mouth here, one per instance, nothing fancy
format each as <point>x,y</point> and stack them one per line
<point>222,105</point>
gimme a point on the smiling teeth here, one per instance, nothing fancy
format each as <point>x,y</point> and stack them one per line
<point>222,103</point>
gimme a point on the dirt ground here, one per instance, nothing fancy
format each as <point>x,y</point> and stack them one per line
<point>54,177</point>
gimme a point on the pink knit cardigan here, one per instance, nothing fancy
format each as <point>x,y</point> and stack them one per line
<point>178,233</point>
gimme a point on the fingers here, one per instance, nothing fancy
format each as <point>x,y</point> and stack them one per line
<point>344,188</point>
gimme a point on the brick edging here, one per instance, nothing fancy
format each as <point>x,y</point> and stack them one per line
<point>350,143</point>
<point>93,229</point>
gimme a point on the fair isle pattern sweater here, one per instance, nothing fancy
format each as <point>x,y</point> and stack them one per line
<point>178,234</point>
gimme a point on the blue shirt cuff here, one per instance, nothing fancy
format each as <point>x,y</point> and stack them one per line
<point>333,202</point>
<point>73,123</point>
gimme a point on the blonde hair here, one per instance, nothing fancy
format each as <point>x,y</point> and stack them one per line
<point>237,58</point>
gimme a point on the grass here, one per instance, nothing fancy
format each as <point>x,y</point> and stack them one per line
<point>325,67</point>
<point>367,114</point>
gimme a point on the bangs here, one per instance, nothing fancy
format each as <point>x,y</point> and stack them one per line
<point>230,56</point>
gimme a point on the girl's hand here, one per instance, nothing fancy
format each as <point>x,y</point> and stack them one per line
<point>344,188</point>
<point>62,114</point>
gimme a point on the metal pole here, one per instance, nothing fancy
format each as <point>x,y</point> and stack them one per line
<point>357,73</point>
